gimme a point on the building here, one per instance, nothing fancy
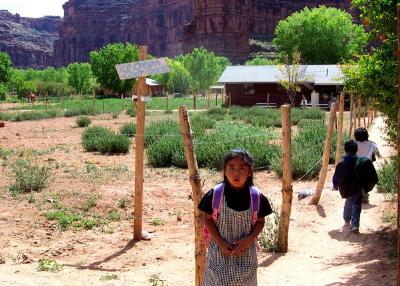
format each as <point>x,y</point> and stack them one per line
<point>259,85</point>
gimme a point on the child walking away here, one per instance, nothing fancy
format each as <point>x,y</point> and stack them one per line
<point>366,148</point>
<point>234,213</point>
<point>352,175</point>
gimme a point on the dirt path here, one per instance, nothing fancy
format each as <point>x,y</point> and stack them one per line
<point>321,251</point>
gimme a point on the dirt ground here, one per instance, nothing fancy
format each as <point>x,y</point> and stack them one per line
<point>321,250</point>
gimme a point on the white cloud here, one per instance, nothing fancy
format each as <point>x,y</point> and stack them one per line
<point>34,8</point>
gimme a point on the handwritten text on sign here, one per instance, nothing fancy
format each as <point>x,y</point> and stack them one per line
<point>142,68</point>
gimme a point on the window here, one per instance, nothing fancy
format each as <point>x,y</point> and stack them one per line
<point>248,88</point>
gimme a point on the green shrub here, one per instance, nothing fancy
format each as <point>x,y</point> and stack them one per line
<point>48,265</point>
<point>33,115</point>
<point>387,175</point>
<point>131,112</point>
<point>269,236</point>
<point>156,130</point>
<point>114,144</point>
<point>91,137</point>
<point>128,129</point>
<point>63,217</point>
<point>83,121</point>
<point>160,154</point>
<point>29,177</point>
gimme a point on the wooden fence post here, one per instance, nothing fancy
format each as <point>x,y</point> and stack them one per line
<point>359,112</point>
<point>287,191</point>
<point>398,146</point>
<point>351,115</point>
<point>325,156</point>
<point>139,149</point>
<point>197,193</point>
<point>340,129</point>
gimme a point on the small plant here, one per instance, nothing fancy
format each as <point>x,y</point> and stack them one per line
<point>157,221</point>
<point>90,203</point>
<point>128,129</point>
<point>115,115</point>
<point>269,235</point>
<point>109,277</point>
<point>123,203</point>
<point>48,265</point>
<point>131,112</point>
<point>389,217</point>
<point>114,215</point>
<point>31,199</point>
<point>154,280</point>
<point>83,121</point>
<point>29,177</point>
<point>387,177</point>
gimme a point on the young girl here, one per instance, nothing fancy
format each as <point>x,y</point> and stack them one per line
<point>231,256</point>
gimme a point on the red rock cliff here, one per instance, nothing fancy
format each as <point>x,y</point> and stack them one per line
<point>90,24</point>
<point>28,41</point>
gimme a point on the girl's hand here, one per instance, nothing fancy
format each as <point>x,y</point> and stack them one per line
<point>242,245</point>
<point>226,248</point>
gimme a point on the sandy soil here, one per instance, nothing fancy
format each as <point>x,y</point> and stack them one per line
<point>321,250</point>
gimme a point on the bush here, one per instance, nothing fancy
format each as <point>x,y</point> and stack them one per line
<point>131,112</point>
<point>83,121</point>
<point>91,137</point>
<point>32,115</point>
<point>114,144</point>
<point>156,130</point>
<point>387,175</point>
<point>161,153</point>
<point>269,235</point>
<point>29,177</point>
<point>128,129</point>
<point>48,265</point>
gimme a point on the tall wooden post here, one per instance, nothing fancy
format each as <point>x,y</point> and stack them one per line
<point>139,148</point>
<point>351,115</point>
<point>287,191</point>
<point>325,156</point>
<point>340,129</point>
<point>230,100</point>
<point>166,103</point>
<point>398,145</point>
<point>355,115</point>
<point>194,101</point>
<point>359,112</point>
<point>216,99</point>
<point>197,193</point>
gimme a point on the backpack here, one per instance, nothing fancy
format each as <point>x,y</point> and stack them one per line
<point>216,205</point>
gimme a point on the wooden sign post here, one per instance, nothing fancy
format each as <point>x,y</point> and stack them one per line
<point>140,69</point>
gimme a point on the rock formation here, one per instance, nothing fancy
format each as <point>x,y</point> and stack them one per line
<point>28,41</point>
<point>90,24</point>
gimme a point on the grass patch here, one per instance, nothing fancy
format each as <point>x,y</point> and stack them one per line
<point>48,265</point>
<point>109,277</point>
<point>83,121</point>
<point>157,221</point>
<point>29,177</point>
<point>269,236</point>
<point>105,141</point>
<point>387,183</point>
<point>128,129</point>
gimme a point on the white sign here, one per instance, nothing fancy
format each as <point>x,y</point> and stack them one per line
<point>142,68</point>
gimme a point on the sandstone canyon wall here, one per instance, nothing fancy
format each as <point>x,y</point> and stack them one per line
<point>28,41</point>
<point>90,24</point>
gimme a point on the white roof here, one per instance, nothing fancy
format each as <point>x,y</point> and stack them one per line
<point>317,74</point>
<point>151,82</point>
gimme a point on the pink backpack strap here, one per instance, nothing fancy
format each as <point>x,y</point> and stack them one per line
<point>217,200</point>
<point>255,203</point>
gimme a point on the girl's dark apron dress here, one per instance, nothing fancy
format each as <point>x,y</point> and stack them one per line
<point>222,270</point>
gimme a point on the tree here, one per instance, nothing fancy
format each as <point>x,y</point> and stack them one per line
<point>204,67</point>
<point>5,67</point>
<point>80,77</point>
<point>373,75</point>
<point>259,61</point>
<point>294,75</point>
<point>177,80</point>
<point>322,36</point>
<point>103,66</point>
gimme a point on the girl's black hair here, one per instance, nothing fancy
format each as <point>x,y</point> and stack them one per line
<point>350,147</point>
<point>361,134</point>
<point>245,156</point>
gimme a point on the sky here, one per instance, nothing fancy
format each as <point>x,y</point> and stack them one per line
<point>34,8</point>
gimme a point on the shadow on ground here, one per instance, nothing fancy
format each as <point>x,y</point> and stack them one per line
<point>376,257</point>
